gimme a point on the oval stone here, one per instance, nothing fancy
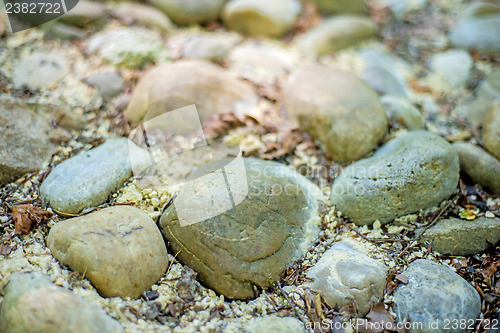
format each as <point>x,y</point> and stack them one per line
<point>412,172</point>
<point>32,304</point>
<point>119,249</point>
<point>434,296</point>
<point>252,243</point>
<point>172,86</point>
<point>491,129</point>
<point>342,111</point>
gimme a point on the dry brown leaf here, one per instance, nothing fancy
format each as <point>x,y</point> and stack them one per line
<point>26,217</point>
<point>220,124</point>
<point>378,320</point>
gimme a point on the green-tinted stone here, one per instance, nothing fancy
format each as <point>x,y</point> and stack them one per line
<point>252,243</point>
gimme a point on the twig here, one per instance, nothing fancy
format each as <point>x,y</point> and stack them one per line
<point>375,240</point>
<point>433,222</point>
<point>292,304</point>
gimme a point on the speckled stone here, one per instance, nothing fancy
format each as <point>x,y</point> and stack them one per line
<point>415,171</point>
<point>87,179</point>
<point>348,125</point>
<point>32,304</point>
<point>401,111</point>
<point>461,237</point>
<point>39,70</point>
<point>127,47</point>
<point>252,243</point>
<point>435,293</point>
<point>344,274</point>
<point>119,249</point>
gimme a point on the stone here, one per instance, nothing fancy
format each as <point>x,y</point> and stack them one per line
<point>119,249</point>
<point>25,146</point>
<point>85,13</point>
<point>334,34</point>
<point>461,237</point>
<point>345,275</point>
<point>341,6</point>
<point>87,179</point>
<point>253,242</point>
<point>275,324</point>
<point>130,13</point>
<point>109,84</point>
<point>127,47</point>
<point>66,31</point>
<point>400,8</point>
<point>412,172</point>
<point>209,46</point>
<point>39,70</point>
<point>263,64</point>
<point>482,167</point>
<point>338,108</point>
<point>401,111</point>
<point>478,30</point>
<point>261,17</point>
<point>32,303</point>
<point>491,129</point>
<point>171,86</point>
<point>384,73</point>
<point>190,11</point>
<point>453,65</point>
<point>488,91</point>
<point>435,293</point>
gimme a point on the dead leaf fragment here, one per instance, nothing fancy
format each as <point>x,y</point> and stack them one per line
<point>401,278</point>
<point>26,217</point>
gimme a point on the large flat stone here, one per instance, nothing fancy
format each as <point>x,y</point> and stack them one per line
<point>461,237</point>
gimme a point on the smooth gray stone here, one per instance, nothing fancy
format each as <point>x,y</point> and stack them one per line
<point>25,144</point>
<point>453,65</point>
<point>403,112</point>
<point>334,34</point>
<point>412,172</point>
<point>87,179</point>
<point>481,166</point>
<point>85,13</point>
<point>434,295</point>
<point>487,93</point>
<point>461,237</point>
<point>344,274</point>
<point>109,84</point>
<point>32,304</point>
<point>478,33</point>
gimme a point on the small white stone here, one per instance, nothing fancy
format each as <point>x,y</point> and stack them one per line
<point>489,215</point>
